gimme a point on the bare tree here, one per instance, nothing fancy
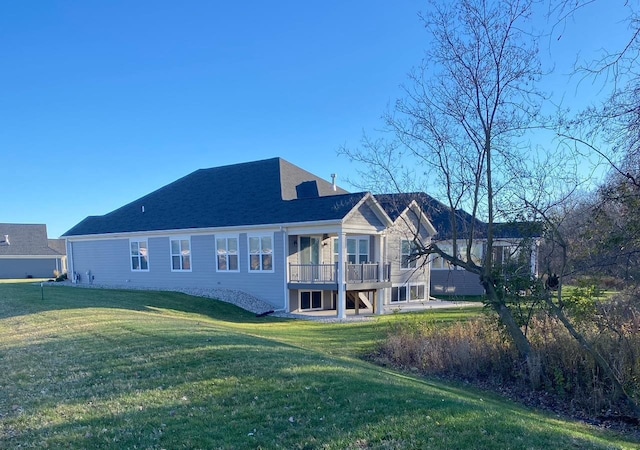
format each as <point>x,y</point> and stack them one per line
<point>460,128</point>
<point>460,132</point>
<point>609,128</point>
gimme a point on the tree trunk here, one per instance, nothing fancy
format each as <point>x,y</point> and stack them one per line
<point>519,339</point>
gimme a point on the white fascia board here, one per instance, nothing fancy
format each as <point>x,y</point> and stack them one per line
<point>272,227</point>
<point>423,218</point>
<point>31,256</point>
<point>375,207</point>
<point>380,212</point>
<point>359,229</point>
<point>311,230</point>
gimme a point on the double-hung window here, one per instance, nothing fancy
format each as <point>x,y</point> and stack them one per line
<point>408,254</point>
<point>227,252</point>
<point>181,254</point>
<point>139,255</point>
<point>261,253</point>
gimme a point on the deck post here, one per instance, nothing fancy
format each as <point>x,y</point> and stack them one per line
<point>381,241</point>
<point>379,303</point>
<point>342,292</point>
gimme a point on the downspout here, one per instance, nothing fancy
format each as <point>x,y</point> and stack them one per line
<point>71,270</point>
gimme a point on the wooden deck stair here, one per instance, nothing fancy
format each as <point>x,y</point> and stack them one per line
<point>359,299</point>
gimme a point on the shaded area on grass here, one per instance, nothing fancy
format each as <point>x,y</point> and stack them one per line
<point>19,299</point>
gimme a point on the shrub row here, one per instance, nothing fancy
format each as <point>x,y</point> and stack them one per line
<point>478,351</point>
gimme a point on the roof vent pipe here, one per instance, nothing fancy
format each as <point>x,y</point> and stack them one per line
<point>143,209</point>
<point>333,181</point>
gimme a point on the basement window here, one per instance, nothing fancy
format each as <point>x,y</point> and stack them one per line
<point>310,300</point>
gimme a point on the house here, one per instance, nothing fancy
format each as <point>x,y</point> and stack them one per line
<point>26,252</point>
<point>513,242</point>
<point>267,228</point>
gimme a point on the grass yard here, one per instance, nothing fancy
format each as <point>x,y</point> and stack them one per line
<point>150,370</point>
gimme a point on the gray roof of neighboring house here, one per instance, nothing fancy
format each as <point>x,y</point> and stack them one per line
<point>441,218</point>
<point>271,191</point>
<point>59,245</point>
<point>26,240</point>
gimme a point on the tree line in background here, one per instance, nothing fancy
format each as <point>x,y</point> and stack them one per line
<point>463,131</point>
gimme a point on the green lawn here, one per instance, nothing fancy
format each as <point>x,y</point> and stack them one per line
<point>116,369</point>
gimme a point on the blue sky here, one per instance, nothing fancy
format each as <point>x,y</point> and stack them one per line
<point>103,102</point>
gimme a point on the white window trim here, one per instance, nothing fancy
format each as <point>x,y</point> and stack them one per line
<point>145,240</point>
<point>273,260</point>
<point>402,285</point>
<point>227,237</point>
<point>180,238</point>
<point>424,288</point>
<point>311,291</point>
<point>357,238</point>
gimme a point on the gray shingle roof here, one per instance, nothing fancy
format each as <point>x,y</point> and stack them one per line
<point>440,216</point>
<point>438,213</point>
<point>25,240</point>
<point>271,191</point>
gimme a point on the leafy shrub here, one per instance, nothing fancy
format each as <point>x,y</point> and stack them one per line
<point>581,301</point>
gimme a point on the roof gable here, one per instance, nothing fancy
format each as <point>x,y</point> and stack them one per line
<point>368,212</point>
<point>440,217</point>
<point>438,214</point>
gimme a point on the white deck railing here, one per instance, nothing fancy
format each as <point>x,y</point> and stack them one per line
<point>327,273</point>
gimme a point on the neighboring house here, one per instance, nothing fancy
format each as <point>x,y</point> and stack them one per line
<point>514,243</point>
<point>267,228</point>
<point>26,252</point>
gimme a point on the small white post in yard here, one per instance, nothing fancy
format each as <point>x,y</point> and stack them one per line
<point>42,291</point>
